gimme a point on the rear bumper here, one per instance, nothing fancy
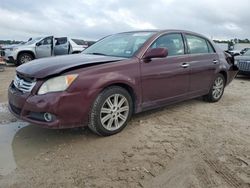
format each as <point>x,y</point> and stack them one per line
<point>69,109</point>
<point>232,72</point>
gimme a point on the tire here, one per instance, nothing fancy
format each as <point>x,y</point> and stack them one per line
<point>24,58</point>
<point>111,111</point>
<point>217,89</point>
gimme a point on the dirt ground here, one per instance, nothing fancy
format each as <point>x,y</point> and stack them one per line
<point>192,144</point>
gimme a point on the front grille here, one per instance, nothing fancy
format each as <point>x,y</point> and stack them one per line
<point>244,65</point>
<point>24,84</point>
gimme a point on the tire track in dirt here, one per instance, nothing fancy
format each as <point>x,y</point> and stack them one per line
<point>205,178</point>
<point>221,170</point>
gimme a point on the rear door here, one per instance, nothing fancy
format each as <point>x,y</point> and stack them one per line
<point>203,62</point>
<point>61,46</point>
<point>44,48</point>
<point>165,80</point>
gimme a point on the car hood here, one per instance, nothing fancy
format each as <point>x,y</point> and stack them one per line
<point>10,46</point>
<point>45,67</point>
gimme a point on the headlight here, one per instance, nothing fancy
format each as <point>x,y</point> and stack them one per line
<point>235,62</point>
<point>60,83</point>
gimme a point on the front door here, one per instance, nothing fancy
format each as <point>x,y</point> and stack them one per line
<point>165,80</point>
<point>44,48</point>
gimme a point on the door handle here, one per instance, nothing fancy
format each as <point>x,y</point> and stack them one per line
<point>185,65</point>
<point>215,61</point>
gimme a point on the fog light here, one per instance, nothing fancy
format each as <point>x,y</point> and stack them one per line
<point>48,117</point>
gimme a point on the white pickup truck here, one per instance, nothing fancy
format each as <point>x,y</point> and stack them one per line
<point>42,47</point>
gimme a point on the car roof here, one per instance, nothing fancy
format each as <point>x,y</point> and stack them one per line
<point>162,31</point>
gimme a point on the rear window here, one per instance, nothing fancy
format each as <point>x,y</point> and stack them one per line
<point>79,41</point>
<point>197,45</point>
<point>60,41</point>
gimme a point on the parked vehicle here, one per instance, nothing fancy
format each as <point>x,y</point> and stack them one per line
<point>41,47</point>
<point>244,50</point>
<point>118,76</point>
<point>233,52</point>
<point>78,45</point>
<point>243,63</point>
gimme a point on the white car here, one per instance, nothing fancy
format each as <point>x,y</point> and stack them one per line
<point>42,47</point>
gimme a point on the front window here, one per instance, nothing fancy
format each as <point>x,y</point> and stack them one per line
<point>119,45</point>
<point>173,42</point>
<point>46,41</point>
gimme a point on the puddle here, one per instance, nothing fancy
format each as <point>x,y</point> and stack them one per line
<point>7,134</point>
<point>34,143</point>
<point>21,142</point>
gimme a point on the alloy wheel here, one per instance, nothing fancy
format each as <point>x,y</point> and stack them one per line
<point>218,88</point>
<point>114,112</point>
<point>25,59</point>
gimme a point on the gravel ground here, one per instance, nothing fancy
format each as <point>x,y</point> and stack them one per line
<point>190,144</point>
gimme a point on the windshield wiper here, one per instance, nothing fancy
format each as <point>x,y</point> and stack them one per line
<point>96,53</point>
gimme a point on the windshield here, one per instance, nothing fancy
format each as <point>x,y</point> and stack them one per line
<point>247,53</point>
<point>119,45</point>
<point>33,41</point>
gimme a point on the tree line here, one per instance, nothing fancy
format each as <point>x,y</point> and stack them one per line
<point>233,41</point>
<point>10,41</point>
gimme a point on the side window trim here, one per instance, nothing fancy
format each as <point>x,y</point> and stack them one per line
<point>209,45</point>
<point>185,43</point>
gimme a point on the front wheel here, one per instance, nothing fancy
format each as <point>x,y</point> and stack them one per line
<point>217,89</point>
<point>24,58</point>
<point>111,111</point>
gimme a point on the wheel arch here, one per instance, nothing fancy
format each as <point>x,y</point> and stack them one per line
<point>28,52</point>
<point>224,73</point>
<point>129,89</point>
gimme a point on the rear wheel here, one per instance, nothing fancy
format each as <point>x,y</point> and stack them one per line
<point>216,90</point>
<point>24,58</point>
<point>111,111</point>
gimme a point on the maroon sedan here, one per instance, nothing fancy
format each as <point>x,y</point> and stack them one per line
<point>120,75</point>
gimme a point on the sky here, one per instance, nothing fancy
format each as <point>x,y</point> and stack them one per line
<point>94,19</point>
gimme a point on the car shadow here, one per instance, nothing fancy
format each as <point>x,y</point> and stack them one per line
<point>243,77</point>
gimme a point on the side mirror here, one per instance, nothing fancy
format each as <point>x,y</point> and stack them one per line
<point>38,44</point>
<point>155,53</point>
